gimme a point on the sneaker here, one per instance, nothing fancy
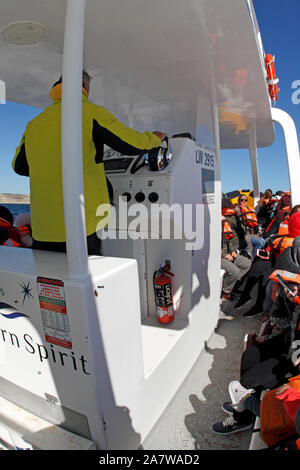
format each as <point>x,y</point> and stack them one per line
<point>228,407</point>
<point>238,394</point>
<point>223,316</point>
<point>230,426</point>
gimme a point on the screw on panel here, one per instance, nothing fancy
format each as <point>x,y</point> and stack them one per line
<point>103,422</point>
<point>95,291</point>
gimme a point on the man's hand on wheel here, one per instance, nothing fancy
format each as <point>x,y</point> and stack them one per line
<point>160,135</point>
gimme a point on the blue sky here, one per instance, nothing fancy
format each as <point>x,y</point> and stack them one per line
<point>279,24</point>
<point>13,119</point>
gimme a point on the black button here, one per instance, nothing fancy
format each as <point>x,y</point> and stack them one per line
<point>126,196</point>
<point>140,197</point>
<point>153,197</point>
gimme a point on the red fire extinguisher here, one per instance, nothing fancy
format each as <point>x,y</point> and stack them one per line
<point>162,285</point>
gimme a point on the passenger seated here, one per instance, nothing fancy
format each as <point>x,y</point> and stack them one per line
<point>279,412</point>
<point>268,364</point>
<point>249,221</point>
<point>252,300</point>
<point>23,223</point>
<point>234,264</point>
<point>283,231</point>
<point>280,416</point>
<point>282,210</point>
<point>273,203</point>
<point>6,222</point>
<point>262,208</point>
<point>283,227</point>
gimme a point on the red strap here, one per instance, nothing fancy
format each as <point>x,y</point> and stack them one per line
<point>11,242</point>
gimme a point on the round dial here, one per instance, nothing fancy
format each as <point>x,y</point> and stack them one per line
<point>140,197</point>
<point>153,197</point>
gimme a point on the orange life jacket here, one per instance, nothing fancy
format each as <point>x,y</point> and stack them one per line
<point>13,232</point>
<point>286,208</point>
<point>271,206</point>
<point>248,217</point>
<point>227,232</point>
<point>280,244</point>
<point>25,230</point>
<point>228,211</point>
<point>5,224</point>
<point>284,205</point>
<point>11,242</point>
<point>287,276</point>
<point>276,424</point>
<point>267,202</point>
<point>272,201</point>
<point>283,228</point>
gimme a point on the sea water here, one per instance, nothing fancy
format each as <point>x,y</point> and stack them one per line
<point>17,209</point>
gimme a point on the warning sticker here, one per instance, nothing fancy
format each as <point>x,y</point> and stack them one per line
<point>54,312</point>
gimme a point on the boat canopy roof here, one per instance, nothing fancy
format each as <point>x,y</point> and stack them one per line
<point>158,65</point>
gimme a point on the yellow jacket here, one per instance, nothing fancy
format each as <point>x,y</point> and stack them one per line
<point>39,156</point>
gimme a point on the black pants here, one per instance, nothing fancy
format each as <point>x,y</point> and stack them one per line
<point>252,409</point>
<point>254,287</point>
<point>93,245</point>
<point>265,364</point>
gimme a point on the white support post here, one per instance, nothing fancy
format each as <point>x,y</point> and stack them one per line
<point>253,161</point>
<point>292,150</point>
<point>71,135</point>
<point>216,133</point>
<point>218,186</point>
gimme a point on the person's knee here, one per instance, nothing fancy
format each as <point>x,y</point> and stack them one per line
<point>233,272</point>
<point>243,264</point>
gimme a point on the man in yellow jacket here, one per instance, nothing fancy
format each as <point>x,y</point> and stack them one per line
<point>39,156</point>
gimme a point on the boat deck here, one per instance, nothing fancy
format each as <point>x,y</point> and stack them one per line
<point>186,424</point>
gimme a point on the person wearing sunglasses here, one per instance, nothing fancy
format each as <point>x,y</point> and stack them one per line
<point>249,221</point>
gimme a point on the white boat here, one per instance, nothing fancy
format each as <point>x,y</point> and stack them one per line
<point>99,371</point>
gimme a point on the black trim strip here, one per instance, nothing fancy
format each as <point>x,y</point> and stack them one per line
<point>21,165</point>
<point>102,136</point>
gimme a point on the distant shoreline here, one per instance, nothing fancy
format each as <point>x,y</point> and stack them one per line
<point>9,198</point>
